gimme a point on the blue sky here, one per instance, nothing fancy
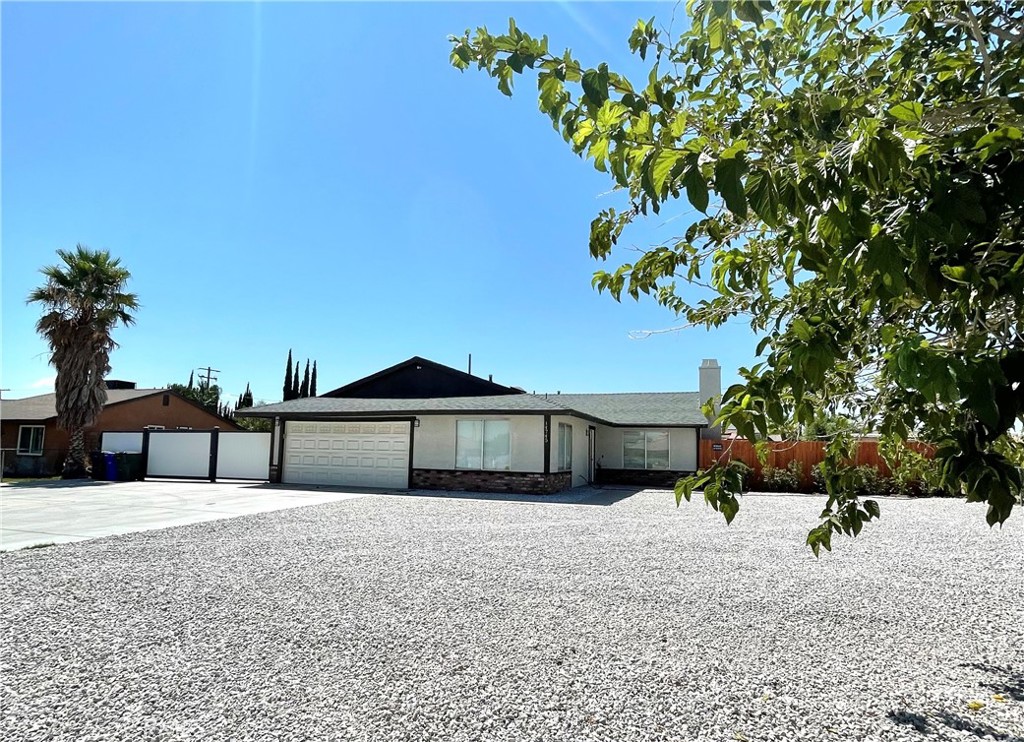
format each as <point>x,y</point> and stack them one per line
<point>317,177</point>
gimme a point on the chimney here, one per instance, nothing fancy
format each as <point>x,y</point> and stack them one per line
<point>711,387</point>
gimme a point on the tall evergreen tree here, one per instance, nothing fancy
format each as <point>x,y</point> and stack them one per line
<point>312,382</point>
<point>245,400</point>
<point>304,388</point>
<point>191,378</point>
<point>295,382</point>
<point>288,379</point>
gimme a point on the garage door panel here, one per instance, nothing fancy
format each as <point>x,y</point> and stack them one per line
<point>348,454</point>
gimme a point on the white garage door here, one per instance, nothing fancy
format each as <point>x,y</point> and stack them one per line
<point>347,454</point>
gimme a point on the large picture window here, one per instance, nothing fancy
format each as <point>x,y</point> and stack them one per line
<point>645,449</point>
<point>483,444</point>
<point>30,440</point>
<point>564,447</point>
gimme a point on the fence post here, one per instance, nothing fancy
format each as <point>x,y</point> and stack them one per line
<point>213,452</point>
<point>145,452</point>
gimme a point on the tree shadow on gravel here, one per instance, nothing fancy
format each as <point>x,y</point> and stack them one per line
<point>1005,682</point>
<point>937,723</point>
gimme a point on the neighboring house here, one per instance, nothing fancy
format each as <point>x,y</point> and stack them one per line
<point>506,441</point>
<point>33,445</point>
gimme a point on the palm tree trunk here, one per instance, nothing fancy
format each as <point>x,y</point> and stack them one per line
<point>76,465</point>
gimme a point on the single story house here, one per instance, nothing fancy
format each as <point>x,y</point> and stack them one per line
<point>476,435</point>
<point>34,446</point>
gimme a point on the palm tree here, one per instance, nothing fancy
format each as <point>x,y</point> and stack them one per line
<point>83,301</point>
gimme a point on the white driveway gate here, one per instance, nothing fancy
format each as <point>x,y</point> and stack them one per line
<point>196,454</point>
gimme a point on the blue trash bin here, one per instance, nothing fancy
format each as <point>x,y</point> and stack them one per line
<point>109,466</point>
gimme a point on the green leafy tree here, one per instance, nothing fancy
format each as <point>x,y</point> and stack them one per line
<point>312,382</point>
<point>856,182</point>
<point>205,395</point>
<point>295,382</point>
<point>83,301</point>
<point>287,391</point>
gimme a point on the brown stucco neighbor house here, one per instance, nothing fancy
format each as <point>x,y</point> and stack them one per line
<point>423,425</point>
<point>33,445</point>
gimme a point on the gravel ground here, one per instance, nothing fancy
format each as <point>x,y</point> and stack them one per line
<point>416,618</point>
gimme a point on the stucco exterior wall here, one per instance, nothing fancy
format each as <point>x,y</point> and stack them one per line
<point>434,441</point>
<point>682,444</point>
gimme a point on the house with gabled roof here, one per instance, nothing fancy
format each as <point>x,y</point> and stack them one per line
<point>423,425</point>
<point>35,446</point>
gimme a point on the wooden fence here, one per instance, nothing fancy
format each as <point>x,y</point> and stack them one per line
<point>782,453</point>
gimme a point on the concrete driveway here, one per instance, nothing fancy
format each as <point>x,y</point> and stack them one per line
<point>58,512</point>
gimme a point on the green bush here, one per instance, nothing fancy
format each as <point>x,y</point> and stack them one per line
<point>774,479</point>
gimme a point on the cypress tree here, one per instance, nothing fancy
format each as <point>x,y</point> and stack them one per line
<point>304,389</point>
<point>246,399</point>
<point>288,378</point>
<point>295,382</point>
<point>191,374</point>
<point>312,382</point>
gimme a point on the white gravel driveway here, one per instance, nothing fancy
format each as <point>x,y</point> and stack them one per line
<point>413,618</point>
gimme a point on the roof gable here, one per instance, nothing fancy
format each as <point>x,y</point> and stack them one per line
<point>419,378</point>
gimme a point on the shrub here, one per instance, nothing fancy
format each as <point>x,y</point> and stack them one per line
<point>818,478</point>
<point>774,479</point>
<point>870,483</point>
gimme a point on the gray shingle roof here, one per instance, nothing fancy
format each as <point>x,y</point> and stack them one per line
<point>44,406</point>
<point>347,406</point>
<point>642,409</point>
<point>639,408</point>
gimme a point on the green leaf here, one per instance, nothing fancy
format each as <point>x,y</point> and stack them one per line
<point>595,85</point>
<point>957,273</point>
<point>748,10</point>
<point>907,111</point>
<point>661,168</point>
<point>729,183</point>
<point>830,228</point>
<point>610,115</point>
<point>801,329</point>
<point>696,187</point>
<point>764,197</point>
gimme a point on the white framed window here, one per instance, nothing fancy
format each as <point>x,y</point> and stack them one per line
<point>30,440</point>
<point>645,449</point>
<point>483,444</point>
<point>564,447</point>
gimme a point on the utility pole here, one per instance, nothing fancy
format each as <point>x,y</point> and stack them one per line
<point>209,374</point>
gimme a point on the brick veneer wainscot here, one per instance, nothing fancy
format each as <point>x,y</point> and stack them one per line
<point>490,481</point>
<point>641,477</point>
